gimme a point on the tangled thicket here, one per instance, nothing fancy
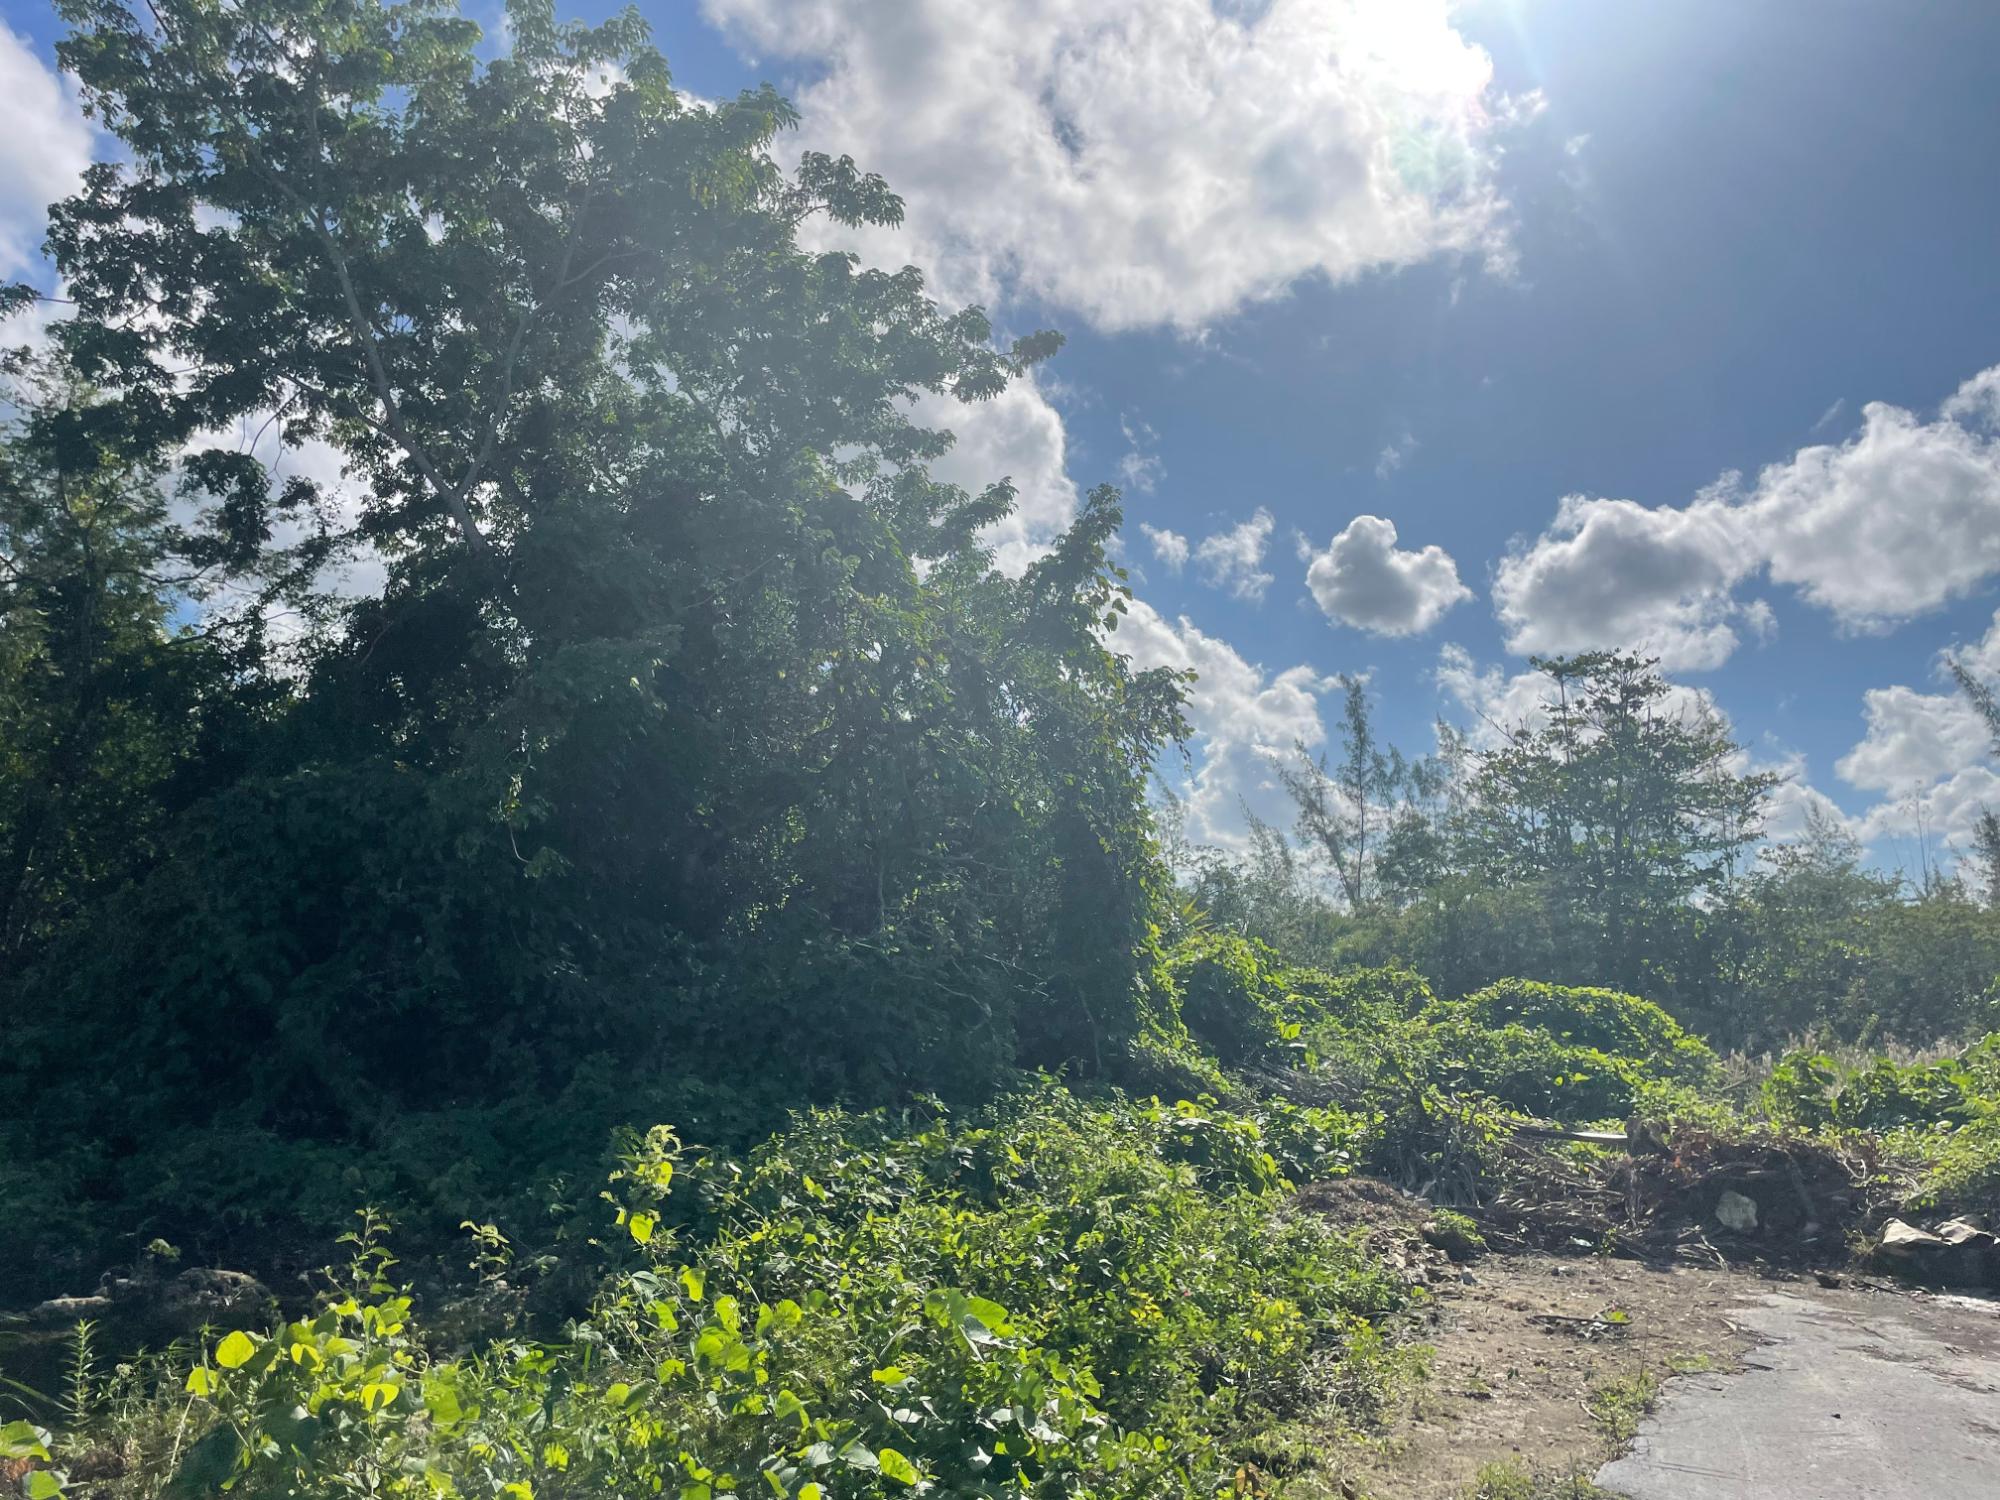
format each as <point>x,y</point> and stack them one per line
<point>486,667</point>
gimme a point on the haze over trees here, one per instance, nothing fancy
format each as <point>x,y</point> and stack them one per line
<point>485,664</point>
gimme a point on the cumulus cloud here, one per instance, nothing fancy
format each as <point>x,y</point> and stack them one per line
<point>1898,520</point>
<point>1363,579</point>
<point>1149,162</point>
<point>1912,739</point>
<point>1017,434</point>
<point>1494,702</point>
<point>1796,804</point>
<point>1930,756</point>
<point>45,143</point>
<point>1170,547</point>
<point>1245,721</point>
<point>1615,573</point>
<point>1233,559</point>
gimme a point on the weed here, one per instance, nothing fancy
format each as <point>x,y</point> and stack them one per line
<point>1620,1405</point>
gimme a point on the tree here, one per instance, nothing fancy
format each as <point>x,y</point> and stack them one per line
<point>1630,811</point>
<point>1346,811</point>
<point>111,711</point>
<point>693,747</point>
<point>1986,828</point>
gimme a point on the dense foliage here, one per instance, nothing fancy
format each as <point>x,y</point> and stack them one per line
<point>692,758</point>
<point>485,667</point>
<point>1613,838</point>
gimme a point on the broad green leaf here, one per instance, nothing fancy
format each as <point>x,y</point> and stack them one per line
<point>235,1351</point>
<point>895,1466</point>
<point>24,1440</point>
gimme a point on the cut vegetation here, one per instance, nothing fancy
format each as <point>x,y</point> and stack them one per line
<point>686,986</point>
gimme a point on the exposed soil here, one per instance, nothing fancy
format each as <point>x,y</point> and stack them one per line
<point>1520,1350</point>
<point>1531,1348</point>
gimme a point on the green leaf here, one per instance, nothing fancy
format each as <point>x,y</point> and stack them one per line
<point>42,1485</point>
<point>693,1281</point>
<point>208,1464</point>
<point>895,1466</point>
<point>24,1440</point>
<point>201,1381</point>
<point>441,1401</point>
<point>235,1351</point>
<point>641,1226</point>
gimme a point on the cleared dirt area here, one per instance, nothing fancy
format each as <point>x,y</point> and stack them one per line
<point>1543,1361</point>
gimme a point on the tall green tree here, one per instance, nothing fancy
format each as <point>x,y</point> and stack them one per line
<point>113,711</point>
<point>1630,811</point>
<point>1349,810</point>
<point>693,742</point>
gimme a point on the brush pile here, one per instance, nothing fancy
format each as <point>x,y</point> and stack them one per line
<point>1693,1193</point>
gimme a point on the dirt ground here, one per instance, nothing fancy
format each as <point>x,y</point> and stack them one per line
<point>1522,1348</point>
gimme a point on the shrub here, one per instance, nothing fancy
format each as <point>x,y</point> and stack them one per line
<point>1229,993</point>
<point>1530,1070</point>
<point>1964,1176</point>
<point>1605,1021</point>
<point>1814,1090</point>
<point>1047,1298</point>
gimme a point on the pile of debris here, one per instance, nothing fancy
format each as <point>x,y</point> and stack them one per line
<point>1690,1193</point>
<point>1960,1252</point>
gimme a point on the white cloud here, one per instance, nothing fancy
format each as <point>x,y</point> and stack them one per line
<point>1938,818</point>
<point>1912,739</point>
<point>1976,403</point>
<point>1362,579</point>
<point>45,143</point>
<point>1245,721</point>
<point>1170,547</point>
<point>1017,434</point>
<point>1931,757</point>
<point>1616,573</point>
<point>1898,520</point>
<point>1150,162</point>
<point>1394,455</point>
<point>1796,803</point>
<point>1233,559</point>
<point>1496,701</point>
<point>1140,469</point>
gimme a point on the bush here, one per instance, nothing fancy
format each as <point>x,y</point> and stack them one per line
<point>1047,1298</point>
<point>1532,1071</point>
<point>1815,1090</point>
<point>1965,1173</point>
<point>1230,996</point>
<point>1617,1025</point>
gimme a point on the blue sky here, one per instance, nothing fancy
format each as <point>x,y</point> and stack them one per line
<point>1358,293</point>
